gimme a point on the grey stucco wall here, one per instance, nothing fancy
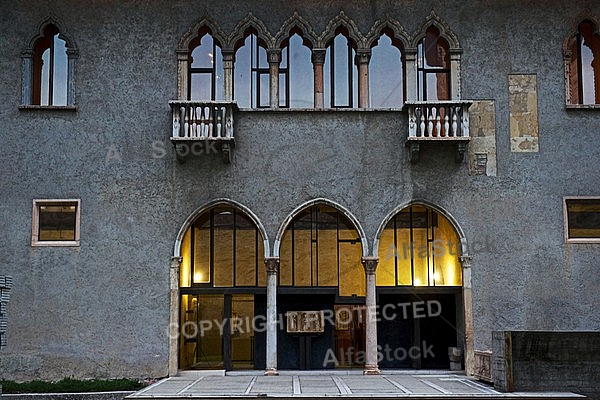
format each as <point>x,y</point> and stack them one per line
<point>101,310</point>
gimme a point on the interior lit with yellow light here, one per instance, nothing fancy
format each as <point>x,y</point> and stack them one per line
<point>419,247</point>
<point>322,248</point>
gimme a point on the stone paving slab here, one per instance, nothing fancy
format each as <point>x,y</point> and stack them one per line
<point>325,384</point>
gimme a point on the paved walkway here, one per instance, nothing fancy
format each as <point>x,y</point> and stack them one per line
<point>289,384</point>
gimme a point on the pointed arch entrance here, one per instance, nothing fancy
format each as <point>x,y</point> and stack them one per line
<point>221,289</point>
<point>320,248</point>
<point>423,288</point>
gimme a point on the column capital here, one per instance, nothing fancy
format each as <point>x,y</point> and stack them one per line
<point>228,55</point>
<point>465,261</point>
<point>318,56</point>
<point>272,264</point>
<point>176,261</point>
<point>274,56</point>
<point>182,54</point>
<point>362,57</point>
<point>370,264</point>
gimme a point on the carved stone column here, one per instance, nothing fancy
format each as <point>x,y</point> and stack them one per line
<point>455,75</point>
<point>318,59</point>
<point>72,56</point>
<point>183,58</point>
<point>27,76</point>
<point>274,58</point>
<point>362,61</point>
<point>410,62</point>
<point>5,286</point>
<point>272,264</point>
<point>371,368</point>
<point>173,330</point>
<point>468,311</point>
<point>228,61</point>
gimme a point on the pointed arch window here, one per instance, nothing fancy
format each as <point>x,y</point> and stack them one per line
<point>296,78</point>
<point>584,65</point>
<point>48,69</point>
<point>386,72</point>
<point>433,67</point>
<point>419,247</point>
<point>340,73</point>
<point>251,73</point>
<point>206,68</point>
<point>322,248</point>
<point>223,248</point>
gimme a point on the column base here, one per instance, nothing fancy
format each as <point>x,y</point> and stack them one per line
<point>371,370</point>
<point>271,372</point>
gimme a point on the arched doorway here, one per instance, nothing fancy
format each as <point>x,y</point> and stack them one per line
<point>222,292</point>
<point>320,251</point>
<point>419,289</point>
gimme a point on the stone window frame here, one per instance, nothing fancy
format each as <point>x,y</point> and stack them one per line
<point>35,223</point>
<point>566,220</point>
<point>400,39</point>
<point>200,71</point>
<point>454,48</point>
<point>319,43</point>
<point>27,67</point>
<point>569,58</point>
<point>293,25</point>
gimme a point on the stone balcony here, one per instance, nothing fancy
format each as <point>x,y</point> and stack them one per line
<point>201,126</point>
<point>439,122</point>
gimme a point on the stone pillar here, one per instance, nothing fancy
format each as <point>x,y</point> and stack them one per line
<point>455,75</point>
<point>27,76</point>
<point>318,59</point>
<point>5,286</point>
<point>371,368</point>
<point>182,74</point>
<point>468,311</point>
<point>72,55</point>
<point>411,76</point>
<point>228,61</point>
<point>274,58</point>
<point>272,264</point>
<point>362,61</point>
<point>173,330</point>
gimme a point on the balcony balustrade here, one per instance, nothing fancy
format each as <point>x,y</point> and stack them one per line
<point>200,126</point>
<point>438,122</point>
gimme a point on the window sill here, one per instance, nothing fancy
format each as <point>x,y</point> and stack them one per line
<point>31,107</point>
<point>583,241</point>
<point>582,106</point>
<point>55,243</point>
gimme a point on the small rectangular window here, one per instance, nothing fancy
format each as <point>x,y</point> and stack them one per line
<point>582,219</point>
<point>55,223</point>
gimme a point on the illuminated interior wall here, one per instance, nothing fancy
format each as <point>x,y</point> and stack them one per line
<point>224,253</point>
<point>419,247</point>
<point>322,248</point>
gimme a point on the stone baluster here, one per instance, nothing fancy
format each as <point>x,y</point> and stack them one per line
<point>454,122</point>
<point>446,122</point>
<point>430,117</point>
<point>193,125</point>
<point>229,122</point>
<point>438,124</point>
<point>219,113</point>
<point>176,123</point>
<point>182,119</point>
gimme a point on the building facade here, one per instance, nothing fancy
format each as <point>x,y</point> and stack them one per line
<point>309,185</point>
